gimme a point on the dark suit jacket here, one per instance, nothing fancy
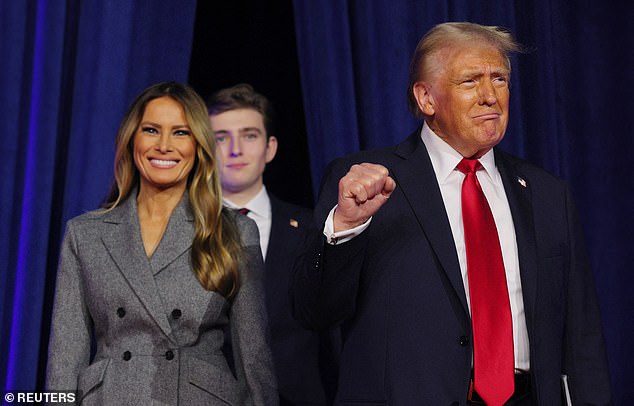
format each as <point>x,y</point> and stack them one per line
<point>299,354</point>
<point>158,332</point>
<point>398,294</point>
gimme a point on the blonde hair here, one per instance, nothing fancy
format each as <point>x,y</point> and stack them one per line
<point>216,247</point>
<point>445,35</point>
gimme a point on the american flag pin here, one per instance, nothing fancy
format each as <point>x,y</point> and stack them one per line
<point>293,223</point>
<point>521,181</point>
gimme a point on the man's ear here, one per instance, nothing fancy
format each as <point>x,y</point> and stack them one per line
<point>424,98</point>
<point>271,148</point>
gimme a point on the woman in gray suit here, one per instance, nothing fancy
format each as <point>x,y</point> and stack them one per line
<point>163,278</point>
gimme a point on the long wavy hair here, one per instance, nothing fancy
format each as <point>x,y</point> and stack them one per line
<point>216,249</point>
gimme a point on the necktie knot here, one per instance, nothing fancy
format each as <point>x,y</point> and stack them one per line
<point>244,211</point>
<point>469,165</point>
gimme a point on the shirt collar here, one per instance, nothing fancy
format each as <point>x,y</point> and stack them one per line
<point>260,205</point>
<point>444,158</point>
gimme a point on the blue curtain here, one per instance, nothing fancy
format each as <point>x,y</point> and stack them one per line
<point>69,71</point>
<point>571,110</point>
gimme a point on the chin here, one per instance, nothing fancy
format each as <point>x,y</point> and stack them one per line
<point>491,137</point>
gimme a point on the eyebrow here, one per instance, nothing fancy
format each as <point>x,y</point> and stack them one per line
<point>179,126</point>
<point>479,72</point>
<point>240,130</point>
<point>501,71</point>
<point>244,129</point>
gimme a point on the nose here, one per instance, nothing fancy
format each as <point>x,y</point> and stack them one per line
<point>235,149</point>
<point>487,94</point>
<point>164,144</point>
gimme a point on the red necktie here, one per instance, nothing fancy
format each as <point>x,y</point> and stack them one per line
<point>244,211</point>
<point>493,363</point>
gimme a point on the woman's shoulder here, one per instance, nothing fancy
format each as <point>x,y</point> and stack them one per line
<point>246,227</point>
<point>88,217</point>
<point>84,227</point>
<point>91,219</point>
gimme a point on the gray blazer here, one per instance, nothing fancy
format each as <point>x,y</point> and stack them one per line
<point>159,335</point>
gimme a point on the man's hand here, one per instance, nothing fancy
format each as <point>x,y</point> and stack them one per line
<point>362,191</point>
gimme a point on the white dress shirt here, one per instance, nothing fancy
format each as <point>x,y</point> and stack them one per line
<point>444,160</point>
<point>260,211</point>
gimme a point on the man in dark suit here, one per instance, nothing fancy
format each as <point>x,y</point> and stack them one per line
<point>457,272</point>
<point>242,124</point>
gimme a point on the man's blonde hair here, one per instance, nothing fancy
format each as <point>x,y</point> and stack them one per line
<point>446,35</point>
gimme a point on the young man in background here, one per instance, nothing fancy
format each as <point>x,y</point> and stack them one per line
<point>243,128</point>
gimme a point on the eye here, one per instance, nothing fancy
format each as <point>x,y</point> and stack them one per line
<point>149,130</point>
<point>500,81</point>
<point>221,139</point>
<point>182,133</point>
<point>251,136</point>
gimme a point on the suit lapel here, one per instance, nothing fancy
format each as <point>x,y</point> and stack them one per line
<point>518,192</point>
<point>276,230</point>
<point>415,177</point>
<point>279,238</point>
<point>177,238</point>
<point>122,239</point>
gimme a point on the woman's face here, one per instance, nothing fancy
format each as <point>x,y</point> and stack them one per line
<point>164,147</point>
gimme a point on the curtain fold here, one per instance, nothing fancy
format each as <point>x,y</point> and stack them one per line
<point>323,37</point>
<point>70,69</point>
<point>570,112</point>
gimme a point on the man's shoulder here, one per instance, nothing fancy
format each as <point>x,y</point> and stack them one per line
<point>386,155</point>
<point>522,167</point>
<point>282,206</point>
<point>407,145</point>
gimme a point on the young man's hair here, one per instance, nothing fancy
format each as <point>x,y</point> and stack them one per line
<point>242,96</point>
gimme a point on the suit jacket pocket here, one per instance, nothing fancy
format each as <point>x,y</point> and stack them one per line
<point>217,382</point>
<point>91,377</point>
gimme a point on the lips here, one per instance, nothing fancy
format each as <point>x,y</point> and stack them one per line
<point>236,166</point>
<point>487,116</point>
<point>163,163</point>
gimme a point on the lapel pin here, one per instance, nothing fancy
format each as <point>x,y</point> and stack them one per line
<point>293,223</point>
<point>521,181</point>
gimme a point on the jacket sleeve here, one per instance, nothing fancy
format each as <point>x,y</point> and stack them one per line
<point>69,342</point>
<point>585,360</point>
<point>248,320</point>
<point>326,277</point>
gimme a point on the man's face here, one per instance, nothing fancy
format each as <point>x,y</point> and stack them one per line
<point>242,150</point>
<point>466,100</point>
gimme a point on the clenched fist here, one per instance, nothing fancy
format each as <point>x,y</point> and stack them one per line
<point>362,191</point>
